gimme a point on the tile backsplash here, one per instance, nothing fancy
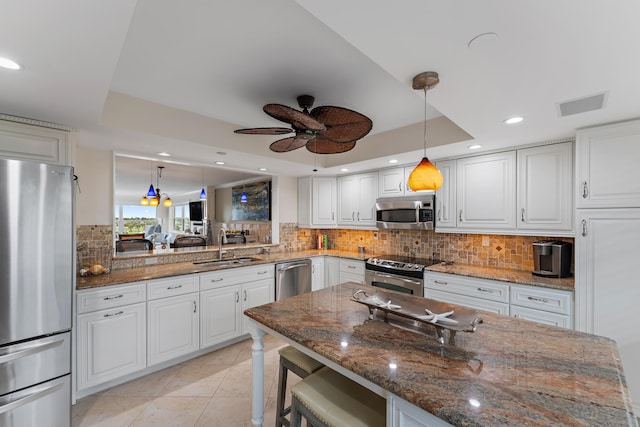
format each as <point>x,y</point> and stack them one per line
<point>95,244</point>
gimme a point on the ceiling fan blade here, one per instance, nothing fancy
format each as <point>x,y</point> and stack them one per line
<point>295,118</point>
<point>265,131</point>
<point>343,125</point>
<point>289,144</point>
<point>321,145</point>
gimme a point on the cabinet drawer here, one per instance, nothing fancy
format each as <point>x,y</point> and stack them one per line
<point>112,296</point>
<point>539,316</point>
<point>179,285</point>
<point>478,288</point>
<point>542,299</point>
<point>352,266</point>
<point>470,302</point>
<point>234,276</point>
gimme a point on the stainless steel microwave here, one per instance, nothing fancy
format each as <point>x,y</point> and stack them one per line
<point>406,213</point>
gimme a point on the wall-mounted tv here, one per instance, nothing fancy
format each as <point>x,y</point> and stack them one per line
<point>196,211</point>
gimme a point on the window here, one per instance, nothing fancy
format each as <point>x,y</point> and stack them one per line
<point>181,217</point>
<point>129,219</point>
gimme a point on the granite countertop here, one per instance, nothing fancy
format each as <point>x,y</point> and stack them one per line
<point>504,275</point>
<point>509,372</point>
<point>158,271</point>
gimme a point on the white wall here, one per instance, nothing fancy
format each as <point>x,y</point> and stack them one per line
<point>94,201</point>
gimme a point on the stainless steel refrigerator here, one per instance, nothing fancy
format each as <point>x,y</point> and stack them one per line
<point>36,285</point>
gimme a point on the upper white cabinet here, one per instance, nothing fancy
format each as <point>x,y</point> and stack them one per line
<point>357,199</point>
<point>485,196</point>
<point>317,202</point>
<point>607,172</point>
<point>446,196</point>
<point>30,142</point>
<point>545,180</point>
<point>391,182</point>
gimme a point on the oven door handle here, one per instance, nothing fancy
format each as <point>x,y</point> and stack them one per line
<point>396,277</point>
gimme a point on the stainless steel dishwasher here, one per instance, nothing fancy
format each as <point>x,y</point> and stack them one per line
<point>293,278</point>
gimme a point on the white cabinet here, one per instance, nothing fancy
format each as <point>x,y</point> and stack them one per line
<point>173,319</point>
<point>486,192</point>
<point>357,199</point>
<point>544,193</point>
<point>351,270</point>
<point>548,306</point>
<point>481,294</point>
<point>404,414</point>
<point>111,336</point>
<point>317,202</point>
<point>607,172</point>
<point>317,273</point>
<point>225,294</point>
<point>607,291</point>
<point>331,271</point>
<point>391,182</point>
<point>446,196</point>
<point>38,143</point>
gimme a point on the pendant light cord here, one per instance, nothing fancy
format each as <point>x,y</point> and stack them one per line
<point>425,121</point>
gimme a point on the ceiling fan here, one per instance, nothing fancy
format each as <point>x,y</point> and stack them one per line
<point>323,130</point>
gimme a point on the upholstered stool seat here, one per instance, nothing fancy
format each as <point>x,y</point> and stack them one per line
<point>300,364</point>
<point>328,399</point>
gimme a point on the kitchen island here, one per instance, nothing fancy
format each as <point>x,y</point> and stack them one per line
<point>509,372</point>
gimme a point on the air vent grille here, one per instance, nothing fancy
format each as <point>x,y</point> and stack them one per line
<point>582,105</point>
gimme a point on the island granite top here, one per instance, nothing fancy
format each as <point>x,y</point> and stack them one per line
<point>509,372</point>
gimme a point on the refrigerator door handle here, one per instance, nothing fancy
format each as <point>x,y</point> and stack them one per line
<point>29,351</point>
<point>39,394</point>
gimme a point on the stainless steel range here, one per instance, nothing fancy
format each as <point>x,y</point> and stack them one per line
<point>398,273</point>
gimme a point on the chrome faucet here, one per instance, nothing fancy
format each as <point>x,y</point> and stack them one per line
<point>222,236</point>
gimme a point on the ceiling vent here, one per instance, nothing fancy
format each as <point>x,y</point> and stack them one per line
<point>582,105</point>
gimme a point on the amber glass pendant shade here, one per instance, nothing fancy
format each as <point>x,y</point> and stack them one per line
<point>167,203</point>
<point>144,201</point>
<point>426,176</point>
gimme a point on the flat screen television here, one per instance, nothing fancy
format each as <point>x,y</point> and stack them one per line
<point>196,211</point>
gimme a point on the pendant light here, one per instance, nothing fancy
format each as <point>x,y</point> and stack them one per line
<point>151,193</point>
<point>425,176</point>
<point>153,196</point>
<point>243,197</point>
<point>203,194</point>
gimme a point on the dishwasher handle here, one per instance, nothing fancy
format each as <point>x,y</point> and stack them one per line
<point>289,266</point>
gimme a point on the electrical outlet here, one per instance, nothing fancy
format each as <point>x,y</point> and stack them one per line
<point>149,261</point>
<point>485,241</point>
<point>375,235</point>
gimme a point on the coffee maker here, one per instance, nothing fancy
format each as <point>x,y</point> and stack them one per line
<point>552,258</point>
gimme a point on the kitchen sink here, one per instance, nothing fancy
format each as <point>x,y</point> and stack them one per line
<point>230,261</point>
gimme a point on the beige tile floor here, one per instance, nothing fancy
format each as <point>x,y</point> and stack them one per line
<point>211,390</point>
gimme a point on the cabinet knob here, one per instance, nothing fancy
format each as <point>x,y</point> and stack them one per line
<point>195,307</point>
<point>585,190</point>
<point>245,295</point>
<point>460,216</point>
<point>584,228</point>
<point>113,297</point>
<point>114,314</point>
<point>237,296</point>
<point>522,215</point>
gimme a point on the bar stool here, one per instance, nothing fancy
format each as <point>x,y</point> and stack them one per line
<point>300,364</point>
<point>328,399</point>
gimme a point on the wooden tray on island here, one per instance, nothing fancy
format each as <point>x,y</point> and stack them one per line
<point>418,312</point>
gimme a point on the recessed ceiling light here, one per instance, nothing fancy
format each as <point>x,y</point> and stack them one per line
<point>514,120</point>
<point>219,163</point>
<point>393,161</point>
<point>9,64</point>
<point>262,169</point>
<point>344,170</point>
<point>475,147</point>
<point>163,154</point>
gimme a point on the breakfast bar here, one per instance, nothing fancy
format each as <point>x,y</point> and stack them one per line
<point>508,372</point>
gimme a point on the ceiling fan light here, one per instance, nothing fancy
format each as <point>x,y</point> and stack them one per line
<point>151,192</point>
<point>167,202</point>
<point>425,176</point>
<point>144,201</point>
<point>203,194</point>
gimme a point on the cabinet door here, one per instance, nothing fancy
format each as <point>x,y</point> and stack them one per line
<point>391,182</point>
<point>254,294</point>
<point>347,200</point>
<point>446,196</point>
<point>607,172</point>
<point>404,414</point>
<point>36,143</point>
<point>111,344</point>
<point>332,271</point>
<point>366,198</point>
<point>174,327</point>
<point>545,182</point>
<point>323,205</point>
<point>485,193</point>
<point>220,315</point>
<point>607,291</point>
<point>317,273</point>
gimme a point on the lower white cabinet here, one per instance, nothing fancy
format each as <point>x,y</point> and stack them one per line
<point>110,343</point>
<point>549,306</point>
<point>331,271</point>
<point>351,270</point>
<point>317,273</point>
<point>173,325</point>
<point>255,294</point>
<point>220,319</point>
<point>403,414</point>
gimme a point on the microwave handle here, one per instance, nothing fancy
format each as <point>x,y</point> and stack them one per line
<point>417,215</point>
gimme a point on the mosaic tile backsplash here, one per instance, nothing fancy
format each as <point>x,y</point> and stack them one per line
<point>95,244</point>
